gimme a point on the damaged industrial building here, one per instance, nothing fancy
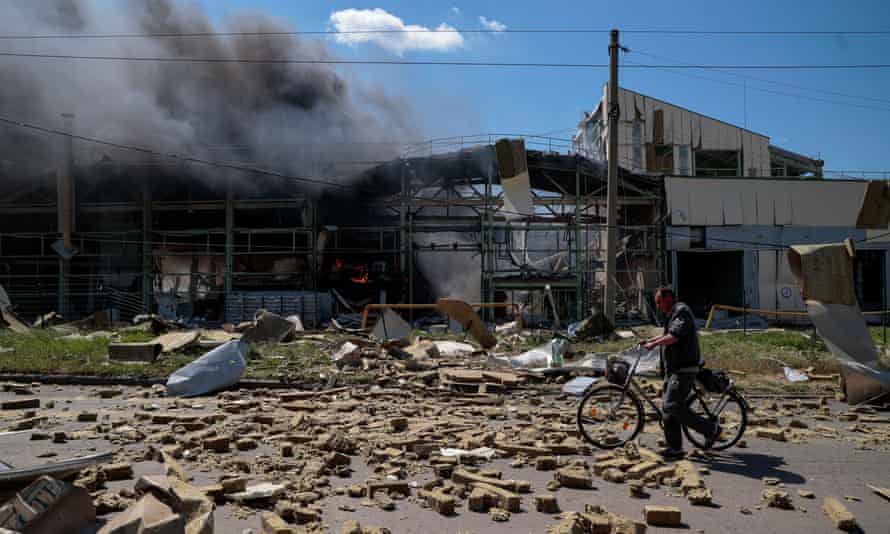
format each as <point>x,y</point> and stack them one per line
<point>703,205</point>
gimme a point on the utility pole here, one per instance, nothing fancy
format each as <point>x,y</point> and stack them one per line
<point>612,198</point>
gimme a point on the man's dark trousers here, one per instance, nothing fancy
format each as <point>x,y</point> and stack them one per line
<point>677,387</point>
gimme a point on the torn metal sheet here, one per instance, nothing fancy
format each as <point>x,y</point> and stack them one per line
<point>461,312</point>
<point>875,211</point>
<point>218,369</point>
<point>825,272</point>
<point>515,179</point>
<point>391,326</point>
<point>840,322</point>
<point>15,324</point>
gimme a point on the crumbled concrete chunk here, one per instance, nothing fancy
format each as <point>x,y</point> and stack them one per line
<point>840,517</point>
<point>440,502</point>
<point>498,514</point>
<point>662,516</point>
<point>217,444</point>
<point>546,504</point>
<point>118,471</point>
<point>776,498</point>
<point>574,478</point>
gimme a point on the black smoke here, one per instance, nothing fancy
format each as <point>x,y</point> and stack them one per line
<point>302,119</point>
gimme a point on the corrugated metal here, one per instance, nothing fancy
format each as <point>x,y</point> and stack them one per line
<point>766,278</point>
<point>313,308</point>
<point>767,202</point>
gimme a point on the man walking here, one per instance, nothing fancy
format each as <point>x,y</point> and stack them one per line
<point>681,362</point>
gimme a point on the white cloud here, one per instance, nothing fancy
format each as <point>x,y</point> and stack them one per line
<point>455,11</point>
<point>399,38</point>
<point>493,25</point>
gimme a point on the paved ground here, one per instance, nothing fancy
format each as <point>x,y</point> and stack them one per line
<point>828,467</point>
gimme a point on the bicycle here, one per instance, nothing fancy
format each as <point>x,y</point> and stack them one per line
<point>611,414</point>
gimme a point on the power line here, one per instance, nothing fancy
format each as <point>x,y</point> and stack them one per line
<point>437,30</point>
<point>273,61</point>
<point>284,61</point>
<point>766,80</point>
<point>772,91</point>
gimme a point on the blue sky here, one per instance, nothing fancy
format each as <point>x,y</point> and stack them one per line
<point>468,100</point>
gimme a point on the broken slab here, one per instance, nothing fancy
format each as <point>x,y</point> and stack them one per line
<point>390,325</point>
<point>268,327</point>
<point>272,523</point>
<point>148,515</point>
<point>398,486</point>
<point>175,341</point>
<point>47,506</point>
<point>147,352</point>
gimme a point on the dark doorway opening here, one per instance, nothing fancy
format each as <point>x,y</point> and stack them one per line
<point>705,278</point>
<point>868,278</point>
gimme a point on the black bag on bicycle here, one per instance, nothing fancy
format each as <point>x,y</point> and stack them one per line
<point>713,381</point>
<point>617,371</point>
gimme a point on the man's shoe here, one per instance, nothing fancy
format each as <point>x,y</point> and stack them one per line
<point>671,454</point>
<point>712,439</point>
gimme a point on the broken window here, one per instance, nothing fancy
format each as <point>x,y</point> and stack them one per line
<point>717,163</point>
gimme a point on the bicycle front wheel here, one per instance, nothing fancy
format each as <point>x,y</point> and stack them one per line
<point>609,416</point>
<point>728,409</point>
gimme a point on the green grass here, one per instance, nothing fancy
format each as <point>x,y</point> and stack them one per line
<point>47,352</point>
<point>747,353</point>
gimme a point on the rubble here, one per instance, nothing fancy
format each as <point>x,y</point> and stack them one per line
<point>840,517</point>
<point>48,505</point>
<point>777,499</point>
<point>546,504</point>
<point>662,516</point>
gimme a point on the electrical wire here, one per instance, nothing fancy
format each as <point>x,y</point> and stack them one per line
<point>284,61</point>
<point>443,30</point>
<point>766,80</point>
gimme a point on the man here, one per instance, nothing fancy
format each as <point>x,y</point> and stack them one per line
<point>681,361</point>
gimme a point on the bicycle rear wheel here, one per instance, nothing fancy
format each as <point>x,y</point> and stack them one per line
<point>727,408</point>
<point>610,416</point>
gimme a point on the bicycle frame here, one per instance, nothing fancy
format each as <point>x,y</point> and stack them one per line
<point>629,383</point>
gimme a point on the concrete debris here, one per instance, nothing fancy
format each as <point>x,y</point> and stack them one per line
<point>883,492</point>
<point>268,327</point>
<point>662,516</point>
<point>498,514</point>
<point>840,517</point>
<point>46,506</point>
<point>546,504</point>
<point>775,498</point>
<point>146,352</point>
<point>148,515</point>
<point>260,492</point>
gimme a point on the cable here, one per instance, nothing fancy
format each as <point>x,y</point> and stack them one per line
<point>307,61</point>
<point>850,66</point>
<point>765,80</point>
<point>434,30</point>
<point>773,92</point>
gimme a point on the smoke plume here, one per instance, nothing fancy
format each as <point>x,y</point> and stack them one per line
<point>298,118</point>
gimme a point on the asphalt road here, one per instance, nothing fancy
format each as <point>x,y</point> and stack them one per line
<point>827,467</point>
